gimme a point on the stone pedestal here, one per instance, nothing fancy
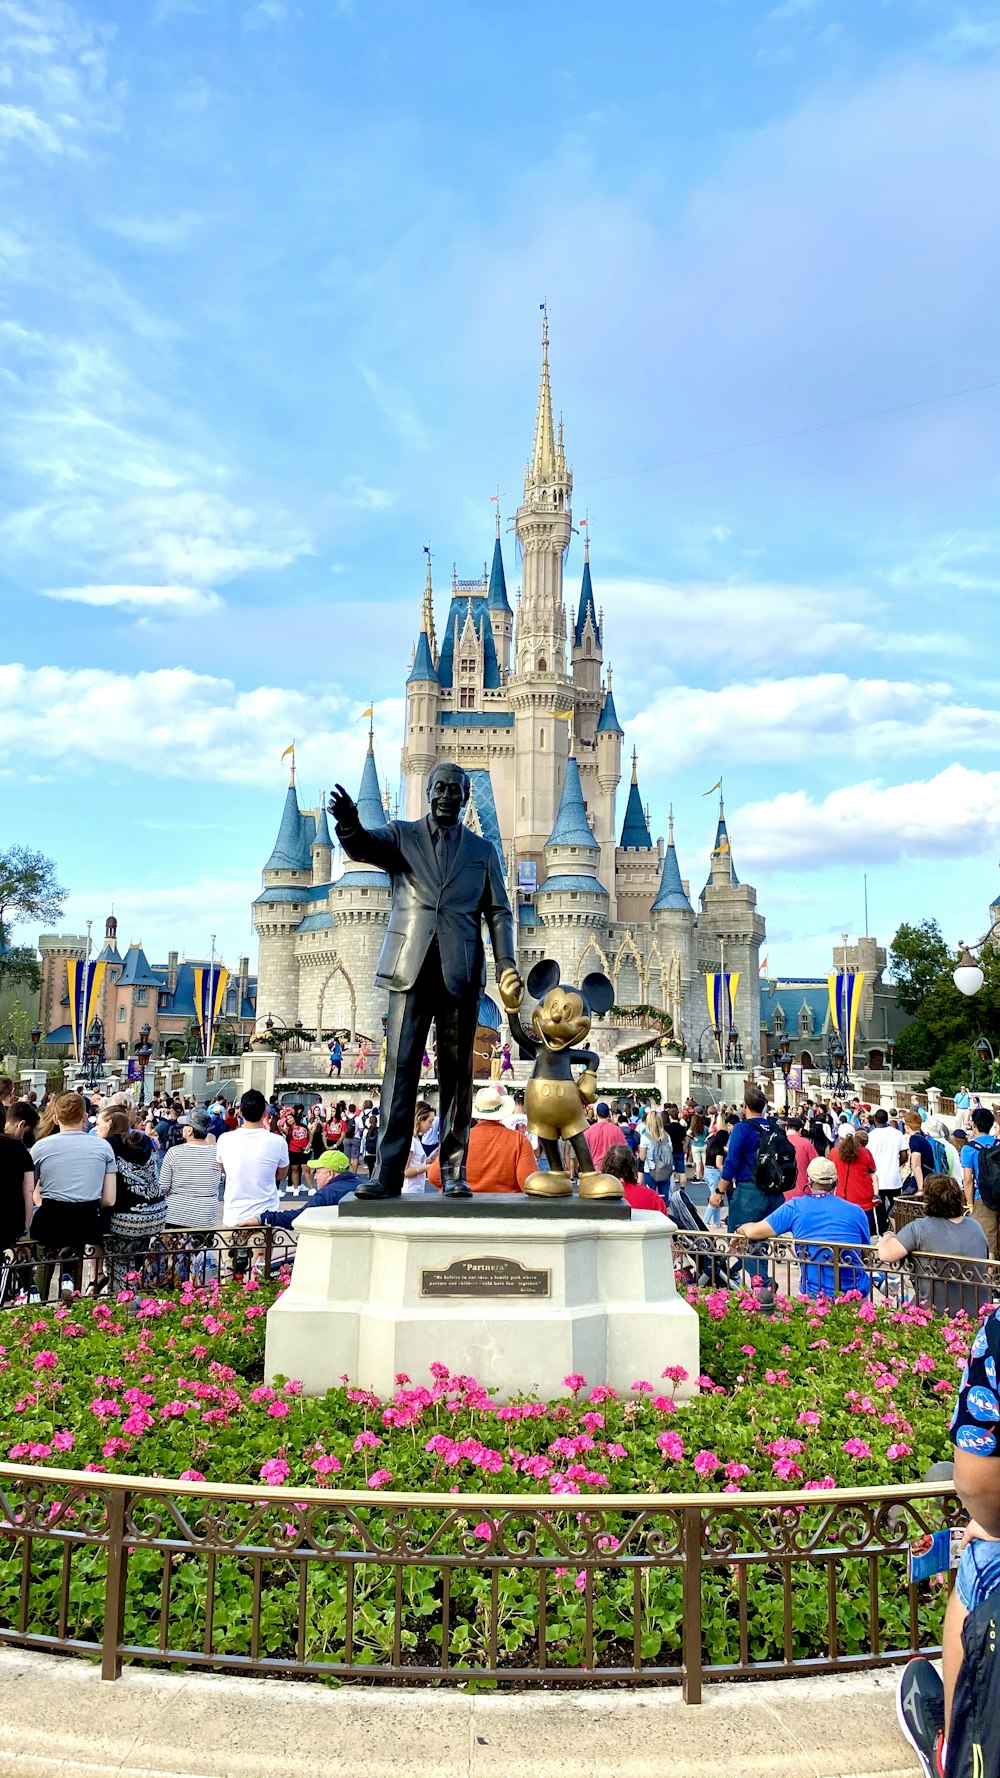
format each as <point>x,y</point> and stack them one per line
<point>518,1301</point>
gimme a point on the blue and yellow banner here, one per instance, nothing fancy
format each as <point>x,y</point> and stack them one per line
<point>718,985</point>
<point>84,978</point>
<point>845,993</point>
<point>209,992</point>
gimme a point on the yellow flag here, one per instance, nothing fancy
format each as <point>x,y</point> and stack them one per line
<point>564,715</point>
<point>712,787</point>
<point>288,750</point>
<point>368,712</point>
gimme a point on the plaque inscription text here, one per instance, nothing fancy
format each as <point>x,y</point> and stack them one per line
<point>488,1276</point>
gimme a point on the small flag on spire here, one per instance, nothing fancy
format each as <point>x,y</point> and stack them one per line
<point>712,787</point>
<point>763,966</point>
<point>369,712</point>
<point>563,715</point>
<point>289,750</point>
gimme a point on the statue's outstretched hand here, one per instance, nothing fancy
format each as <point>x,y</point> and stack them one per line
<point>343,807</point>
<point>511,989</point>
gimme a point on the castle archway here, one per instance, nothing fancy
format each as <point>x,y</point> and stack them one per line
<point>336,1008</point>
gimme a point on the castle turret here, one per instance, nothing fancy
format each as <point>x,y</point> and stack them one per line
<point>572,903</point>
<point>672,965</point>
<point>607,771</point>
<point>359,912</point>
<point>321,850</point>
<point>423,695</point>
<point>637,860</point>
<point>729,936</point>
<point>279,908</point>
<point>500,614</point>
<point>588,649</point>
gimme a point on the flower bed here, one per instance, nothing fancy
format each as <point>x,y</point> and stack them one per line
<point>815,1397</point>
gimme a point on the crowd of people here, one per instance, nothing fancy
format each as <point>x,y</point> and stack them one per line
<point>833,1172</point>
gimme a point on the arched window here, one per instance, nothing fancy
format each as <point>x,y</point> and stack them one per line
<point>588,647</point>
<point>779,1020</point>
<point>524,806</point>
<point>542,664</point>
<point>541,737</point>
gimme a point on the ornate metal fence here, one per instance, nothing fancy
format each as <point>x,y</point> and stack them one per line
<point>513,1590</point>
<point>203,1255</point>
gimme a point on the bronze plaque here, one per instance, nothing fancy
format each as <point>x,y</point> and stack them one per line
<point>489,1276</point>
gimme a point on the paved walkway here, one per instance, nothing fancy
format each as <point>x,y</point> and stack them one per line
<point>59,1720</point>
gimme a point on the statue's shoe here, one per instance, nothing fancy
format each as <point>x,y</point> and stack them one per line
<point>373,1188</point>
<point>549,1185</point>
<point>600,1185</point>
<point>457,1188</point>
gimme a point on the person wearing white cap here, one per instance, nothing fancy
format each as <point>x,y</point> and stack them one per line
<point>499,1159</point>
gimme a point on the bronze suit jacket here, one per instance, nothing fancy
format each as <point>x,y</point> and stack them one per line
<point>438,895</point>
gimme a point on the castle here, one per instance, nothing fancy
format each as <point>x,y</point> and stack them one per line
<point>524,703</point>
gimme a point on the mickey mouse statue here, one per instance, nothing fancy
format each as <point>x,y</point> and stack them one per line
<point>555,1102</point>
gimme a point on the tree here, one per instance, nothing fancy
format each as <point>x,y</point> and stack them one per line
<point>15,1032</point>
<point>28,891</point>
<point>917,958</point>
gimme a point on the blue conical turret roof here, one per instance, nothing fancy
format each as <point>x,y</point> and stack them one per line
<point>322,835</point>
<point>370,807</point>
<point>572,827</point>
<point>722,844</point>
<point>672,897</point>
<point>496,597</point>
<point>291,848</point>
<point>635,827</point>
<point>608,723</point>
<point>586,608</point>
<point>423,667</point>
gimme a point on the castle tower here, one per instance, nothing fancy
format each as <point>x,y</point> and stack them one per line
<point>587,653</point>
<point>730,933</point>
<point>672,922</point>
<point>321,850</point>
<point>359,910</point>
<point>500,613</point>
<point>423,692</point>
<point>607,772</point>
<point>572,903</point>
<point>539,687</point>
<point>278,909</point>
<point>57,949</point>
<point>637,860</point>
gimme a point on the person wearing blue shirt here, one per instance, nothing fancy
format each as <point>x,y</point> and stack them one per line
<point>826,1221</point>
<point>982,1137</point>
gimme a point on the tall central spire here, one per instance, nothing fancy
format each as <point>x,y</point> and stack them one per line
<point>427,611</point>
<point>543,458</point>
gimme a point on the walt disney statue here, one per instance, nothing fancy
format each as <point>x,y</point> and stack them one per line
<point>445,881</point>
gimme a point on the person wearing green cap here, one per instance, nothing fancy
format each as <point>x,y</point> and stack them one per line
<point>332,1176</point>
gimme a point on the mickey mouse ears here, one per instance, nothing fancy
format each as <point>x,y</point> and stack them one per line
<point>598,992</point>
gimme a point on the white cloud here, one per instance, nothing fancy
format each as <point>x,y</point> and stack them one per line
<point>173,723</point>
<point>850,717</point>
<point>156,231</point>
<point>953,815</point>
<point>360,493</point>
<point>665,626</point>
<point>179,601</point>
<point>174,917</point>
<point>395,407</point>
<point>18,123</point>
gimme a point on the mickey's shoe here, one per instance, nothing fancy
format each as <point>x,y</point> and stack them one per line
<point>549,1185</point>
<point>600,1185</point>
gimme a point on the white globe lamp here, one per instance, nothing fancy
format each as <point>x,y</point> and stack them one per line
<point>968,976</point>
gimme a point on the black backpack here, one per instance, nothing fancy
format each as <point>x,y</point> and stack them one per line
<point>974,1736</point>
<point>988,1173</point>
<point>776,1167</point>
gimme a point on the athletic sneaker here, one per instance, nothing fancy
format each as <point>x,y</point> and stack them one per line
<point>920,1713</point>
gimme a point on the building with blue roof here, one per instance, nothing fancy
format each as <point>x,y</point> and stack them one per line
<point>134,993</point>
<point>515,685</point>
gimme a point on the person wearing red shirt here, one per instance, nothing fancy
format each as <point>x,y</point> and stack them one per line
<point>602,1134</point>
<point>805,1151</point>
<point>620,1163</point>
<point>856,1177</point>
<point>297,1136</point>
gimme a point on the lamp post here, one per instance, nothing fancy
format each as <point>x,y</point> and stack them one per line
<point>837,1077</point>
<point>734,1054</point>
<point>984,1050</point>
<point>93,1050</point>
<point>785,1064</point>
<point>143,1051</point>
<point>890,1050</point>
<point>35,1034</point>
<point>716,1038</point>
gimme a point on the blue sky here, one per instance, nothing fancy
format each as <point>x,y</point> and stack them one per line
<point>269,323</point>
